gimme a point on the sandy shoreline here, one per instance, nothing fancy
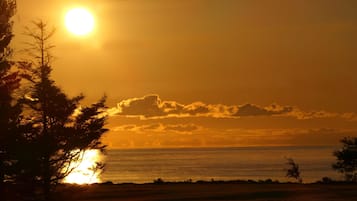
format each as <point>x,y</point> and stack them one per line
<point>211,191</point>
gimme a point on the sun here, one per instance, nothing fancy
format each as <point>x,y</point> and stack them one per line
<point>79,21</point>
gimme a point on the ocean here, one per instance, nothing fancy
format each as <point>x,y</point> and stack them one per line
<point>256,163</point>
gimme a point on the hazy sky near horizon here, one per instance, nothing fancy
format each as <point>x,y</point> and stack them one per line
<point>211,72</point>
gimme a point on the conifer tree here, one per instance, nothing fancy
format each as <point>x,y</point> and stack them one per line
<point>57,128</point>
<point>9,82</point>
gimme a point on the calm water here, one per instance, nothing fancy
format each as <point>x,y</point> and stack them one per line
<point>145,165</point>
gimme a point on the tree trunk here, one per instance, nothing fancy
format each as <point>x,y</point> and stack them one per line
<point>46,179</point>
<point>2,177</point>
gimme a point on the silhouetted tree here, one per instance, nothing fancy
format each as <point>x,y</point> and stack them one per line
<point>56,129</point>
<point>293,171</point>
<point>347,159</point>
<point>9,82</point>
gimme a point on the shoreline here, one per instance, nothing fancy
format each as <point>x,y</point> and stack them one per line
<point>213,191</point>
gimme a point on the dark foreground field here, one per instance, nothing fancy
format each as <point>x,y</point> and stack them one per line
<point>208,192</point>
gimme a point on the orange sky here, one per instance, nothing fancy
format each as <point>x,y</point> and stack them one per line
<point>211,72</point>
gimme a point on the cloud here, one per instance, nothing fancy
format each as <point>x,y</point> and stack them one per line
<point>254,110</point>
<point>154,135</point>
<point>350,116</point>
<point>303,115</point>
<point>288,137</point>
<point>148,106</point>
<point>247,110</point>
<point>182,128</point>
<point>152,107</point>
<point>158,127</point>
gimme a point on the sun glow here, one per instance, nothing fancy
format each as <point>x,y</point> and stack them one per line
<point>79,21</point>
<point>85,169</point>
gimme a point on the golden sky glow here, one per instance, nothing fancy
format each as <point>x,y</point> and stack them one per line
<point>211,72</point>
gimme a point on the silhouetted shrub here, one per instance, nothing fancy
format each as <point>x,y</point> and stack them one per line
<point>188,181</point>
<point>159,181</point>
<point>107,183</point>
<point>347,159</point>
<point>293,170</point>
<point>327,180</point>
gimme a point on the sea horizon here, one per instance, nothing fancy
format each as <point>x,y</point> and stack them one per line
<point>223,163</point>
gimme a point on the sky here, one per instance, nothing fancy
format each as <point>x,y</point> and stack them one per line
<point>208,73</point>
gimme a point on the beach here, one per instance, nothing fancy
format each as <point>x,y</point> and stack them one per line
<point>216,191</point>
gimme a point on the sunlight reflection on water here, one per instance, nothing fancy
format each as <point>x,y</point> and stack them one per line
<point>85,170</point>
